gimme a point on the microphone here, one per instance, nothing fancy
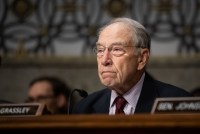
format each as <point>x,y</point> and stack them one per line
<point>81,92</point>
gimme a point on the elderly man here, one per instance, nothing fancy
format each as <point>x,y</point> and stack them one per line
<point>123,50</point>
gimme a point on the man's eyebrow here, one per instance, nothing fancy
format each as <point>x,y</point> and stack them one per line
<point>97,43</point>
<point>119,43</point>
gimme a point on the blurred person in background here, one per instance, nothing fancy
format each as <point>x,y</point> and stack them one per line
<point>51,91</point>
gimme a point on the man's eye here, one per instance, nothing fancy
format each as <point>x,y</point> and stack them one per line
<point>100,50</point>
<point>117,49</point>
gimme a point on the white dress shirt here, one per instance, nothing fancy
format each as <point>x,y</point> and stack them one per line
<point>131,97</point>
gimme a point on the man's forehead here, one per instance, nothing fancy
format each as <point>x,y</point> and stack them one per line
<point>117,43</point>
<point>42,87</point>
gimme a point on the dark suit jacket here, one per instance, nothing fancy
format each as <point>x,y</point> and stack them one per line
<point>99,102</point>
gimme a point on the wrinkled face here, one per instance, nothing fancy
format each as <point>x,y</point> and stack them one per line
<point>42,92</point>
<point>118,72</point>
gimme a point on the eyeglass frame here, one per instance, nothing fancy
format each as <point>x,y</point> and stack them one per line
<point>110,49</point>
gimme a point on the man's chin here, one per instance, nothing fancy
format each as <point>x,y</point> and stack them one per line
<point>107,83</point>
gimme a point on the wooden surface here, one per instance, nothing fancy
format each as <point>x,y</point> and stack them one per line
<point>96,124</point>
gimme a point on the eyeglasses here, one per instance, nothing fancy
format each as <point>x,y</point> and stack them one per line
<point>39,98</point>
<point>116,50</point>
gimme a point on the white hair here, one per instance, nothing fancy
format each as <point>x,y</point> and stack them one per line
<point>140,37</point>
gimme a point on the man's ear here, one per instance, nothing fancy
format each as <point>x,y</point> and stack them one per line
<point>143,58</point>
<point>61,100</point>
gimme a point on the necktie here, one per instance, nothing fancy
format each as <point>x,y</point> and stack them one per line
<point>120,104</point>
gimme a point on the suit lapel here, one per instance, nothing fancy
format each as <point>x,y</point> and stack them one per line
<point>103,104</point>
<point>147,96</point>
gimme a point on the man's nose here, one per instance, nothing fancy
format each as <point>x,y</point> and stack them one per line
<point>107,58</point>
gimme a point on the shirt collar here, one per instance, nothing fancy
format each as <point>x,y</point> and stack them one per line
<point>132,95</point>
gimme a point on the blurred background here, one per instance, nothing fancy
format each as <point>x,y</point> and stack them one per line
<point>56,37</point>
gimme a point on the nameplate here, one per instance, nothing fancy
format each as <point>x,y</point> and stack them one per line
<point>25,109</point>
<point>176,105</point>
